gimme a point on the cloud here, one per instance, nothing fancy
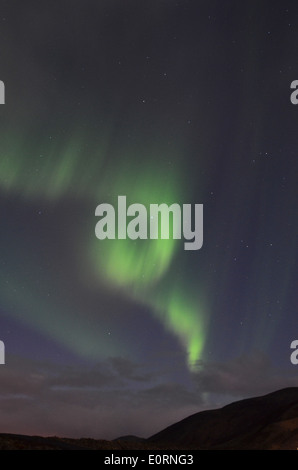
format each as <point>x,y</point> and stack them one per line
<point>113,398</point>
<point>128,369</point>
<point>243,376</point>
<point>118,397</point>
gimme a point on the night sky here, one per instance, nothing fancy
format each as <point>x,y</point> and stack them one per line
<point>162,101</point>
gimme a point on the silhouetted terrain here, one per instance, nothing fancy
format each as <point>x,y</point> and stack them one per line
<point>267,422</point>
<point>130,438</point>
<point>22,442</point>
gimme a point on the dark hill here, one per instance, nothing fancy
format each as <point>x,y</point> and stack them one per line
<point>266,422</point>
<point>130,438</point>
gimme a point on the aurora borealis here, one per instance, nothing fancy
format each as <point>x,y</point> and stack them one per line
<point>182,102</point>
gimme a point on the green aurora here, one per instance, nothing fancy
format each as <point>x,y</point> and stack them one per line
<point>136,267</point>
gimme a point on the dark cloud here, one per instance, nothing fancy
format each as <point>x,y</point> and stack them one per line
<point>117,397</point>
<point>242,377</point>
<point>129,370</point>
<point>95,401</point>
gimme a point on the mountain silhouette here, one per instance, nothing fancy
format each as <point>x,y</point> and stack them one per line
<point>266,422</point>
